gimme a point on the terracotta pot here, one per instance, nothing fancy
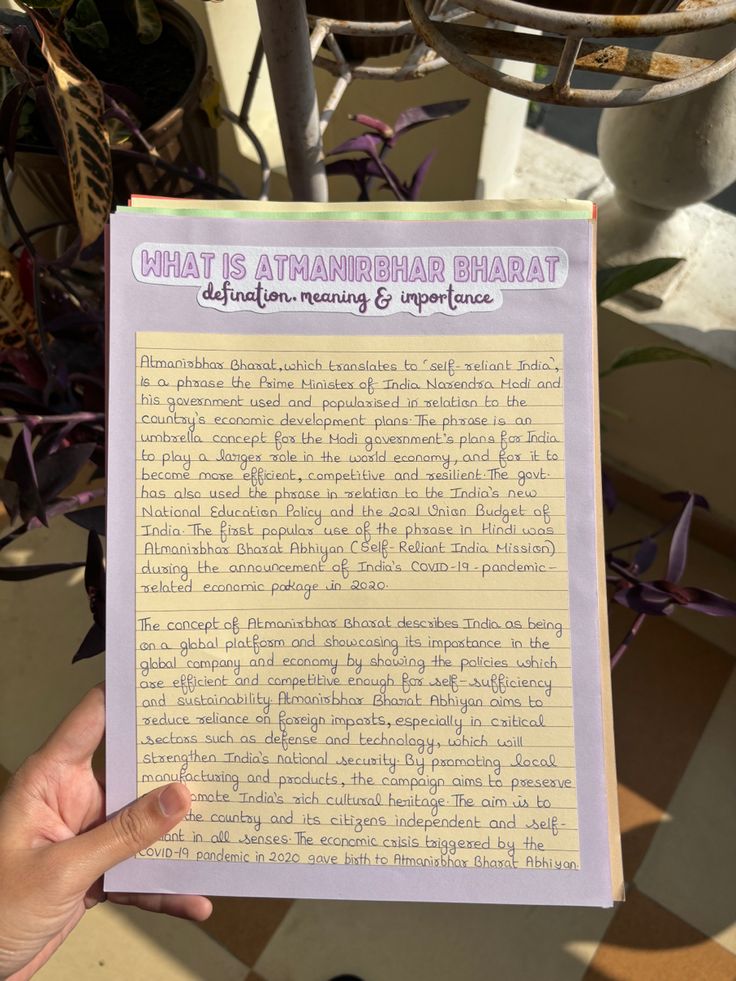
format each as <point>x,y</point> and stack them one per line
<point>183,136</point>
<point>359,48</point>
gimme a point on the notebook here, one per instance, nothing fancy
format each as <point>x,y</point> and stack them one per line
<point>356,598</point>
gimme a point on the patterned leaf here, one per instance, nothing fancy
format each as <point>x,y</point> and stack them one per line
<point>146,18</point>
<point>78,104</point>
<point>8,57</point>
<point>59,6</point>
<point>17,320</point>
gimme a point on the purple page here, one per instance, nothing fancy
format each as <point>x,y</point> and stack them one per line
<point>354,558</point>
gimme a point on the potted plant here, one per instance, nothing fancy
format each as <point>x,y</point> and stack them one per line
<point>80,82</point>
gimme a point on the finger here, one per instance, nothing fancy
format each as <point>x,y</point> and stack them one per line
<point>128,832</point>
<point>95,894</point>
<point>78,736</point>
<point>196,908</point>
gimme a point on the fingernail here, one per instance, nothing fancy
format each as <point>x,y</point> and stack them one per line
<point>171,800</point>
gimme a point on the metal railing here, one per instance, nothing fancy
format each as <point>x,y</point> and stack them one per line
<point>565,41</point>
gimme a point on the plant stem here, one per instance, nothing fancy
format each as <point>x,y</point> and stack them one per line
<point>145,158</point>
<point>633,631</point>
<point>37,231</point>
<point>128,120</point>
<point>35,420</point>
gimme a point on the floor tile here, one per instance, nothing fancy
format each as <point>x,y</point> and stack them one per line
<point>410,941</point>
<point>664,690</point>
<point>119,943</point>
<point>639,820</point>
<point>245,926</point>
<point>645,942</point>
<point>690,867</point>
<point>43,623</point>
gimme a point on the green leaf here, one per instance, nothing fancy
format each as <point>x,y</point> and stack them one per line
<point>86,25</point>
<point>27,124</point>
<point>78,104</point>
<point>620,279</point>
<point>609,410</point>
<point>146,18</point>
<point>117,132</point>
<point>648,355</point>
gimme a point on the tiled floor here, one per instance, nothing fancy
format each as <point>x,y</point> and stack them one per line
<point>675,712</point>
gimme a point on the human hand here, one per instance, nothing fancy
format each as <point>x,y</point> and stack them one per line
<point>55,843</point>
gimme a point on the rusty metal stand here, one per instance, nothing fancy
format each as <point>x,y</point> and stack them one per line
<point>294,43</point>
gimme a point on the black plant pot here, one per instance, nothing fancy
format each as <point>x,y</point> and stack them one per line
<point>375,11</point>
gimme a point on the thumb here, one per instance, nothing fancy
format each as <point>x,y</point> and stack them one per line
<point>127,832</point>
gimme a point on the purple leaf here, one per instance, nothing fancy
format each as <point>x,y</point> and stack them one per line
<point>354,167</point>
<point>393,182</point>
<point>610,498</point>
<point>54,440</point>
<point>21,468</point>
<point>645,555</point>
<point>705,601</point>
<point>420,115</point>
<point>699,500</point>
<point>126,97</point>
<point>94,582</point>
<point>20,572</point>
<point>28,366</point>
<point>57,471</point>
<point>93,519</point>
<point>365,143</point>
<point>94,578</point>
<point>419,175</point>
<point>348,165</point>
<point>645,598</point>
<point>92,645</point>
<point>678,545</point>
<point>621,568</point>
<point>64,504</point>
<point>10,497</point>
